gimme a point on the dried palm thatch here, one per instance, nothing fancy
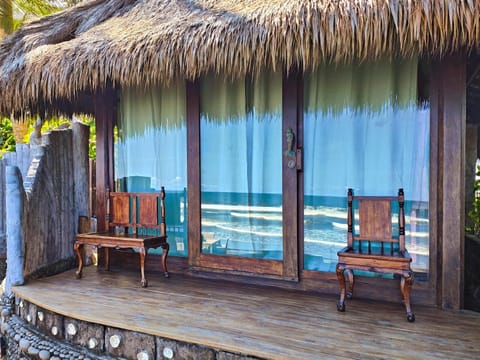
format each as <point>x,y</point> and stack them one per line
<point>141,42</point>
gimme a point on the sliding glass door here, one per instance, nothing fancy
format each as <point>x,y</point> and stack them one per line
<point>150,151</point>
<point>241,166</point>
<point>366,127</point>
<point>260,199</point>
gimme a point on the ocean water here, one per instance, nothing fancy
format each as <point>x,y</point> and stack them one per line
<point>251,226</point>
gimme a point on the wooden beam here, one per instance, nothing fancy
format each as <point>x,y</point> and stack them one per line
<point>291,96</point>
<point>435,184</point>
<point>193,172</point>
<point>452,117</point>
<point>105,115</point>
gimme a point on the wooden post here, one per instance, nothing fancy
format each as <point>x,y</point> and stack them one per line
<point>80,169</point>
<point>451,118</point>
<point>292,97</point>
<point>105,114</point>
<point>193,169</point>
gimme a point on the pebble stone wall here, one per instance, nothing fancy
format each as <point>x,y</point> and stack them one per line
<point>32,333</point>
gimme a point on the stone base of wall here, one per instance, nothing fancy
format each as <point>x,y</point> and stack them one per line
<point>472,273</point>
<point>30,332</point>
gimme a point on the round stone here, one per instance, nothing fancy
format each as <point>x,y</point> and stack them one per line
<point>71,329</point>
<point>92,343</point>
<point>4,328</point>
<point>23,344</point>
<point>168,352</point>
<point>115,341</point>
<point>143,355</point>
<point>44,355</point>
<point>6,312</point>
<point>33,351</point>
<point>54,331</point>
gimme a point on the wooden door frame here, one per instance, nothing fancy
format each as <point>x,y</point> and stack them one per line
<point>287,268</point>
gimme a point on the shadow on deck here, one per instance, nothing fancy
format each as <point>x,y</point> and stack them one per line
<point>247,320</point>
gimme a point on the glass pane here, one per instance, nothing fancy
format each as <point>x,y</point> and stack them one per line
<point>365,129</point>
<point>241,168</point>
<point>151,151</point>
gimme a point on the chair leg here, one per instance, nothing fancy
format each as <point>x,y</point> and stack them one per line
<point>78,247</point>
<point>406,283</point>
<point>341,279</point>
<point>166,248</point>
<point>143,254</point>
<point>107,258</point>
<point>351,283</point>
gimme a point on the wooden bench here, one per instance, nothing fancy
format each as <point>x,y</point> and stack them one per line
<point>135,221</point>
<point>374,248</point>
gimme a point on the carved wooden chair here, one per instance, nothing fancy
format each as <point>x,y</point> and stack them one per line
<point>373,248</point>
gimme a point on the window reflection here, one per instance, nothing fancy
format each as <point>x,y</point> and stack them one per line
<point>363,129</point>
<point>151,151</point>
<point>241,178</point>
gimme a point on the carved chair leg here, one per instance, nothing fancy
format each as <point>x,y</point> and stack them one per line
<point>351,283</point>
<point>143,254</point>
<point>341,279</point>
<point>406,283</point>
<point>166,248</point>
<point>78,247</point>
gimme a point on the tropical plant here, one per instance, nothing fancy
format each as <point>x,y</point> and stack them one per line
<point>13,13</point>
<point>7,140</point>
<point>474,214</point>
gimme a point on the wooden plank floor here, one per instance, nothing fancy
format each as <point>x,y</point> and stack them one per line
<point>257,321</point>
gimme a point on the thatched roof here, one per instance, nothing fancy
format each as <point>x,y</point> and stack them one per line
<point>139,42</point>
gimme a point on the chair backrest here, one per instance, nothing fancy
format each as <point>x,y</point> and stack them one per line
<point>136,212</point>
<point>372,230</point>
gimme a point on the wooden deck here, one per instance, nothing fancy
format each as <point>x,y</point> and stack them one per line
<point>257,321</point>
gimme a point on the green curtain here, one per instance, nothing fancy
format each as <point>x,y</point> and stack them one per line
<point>367,86</point>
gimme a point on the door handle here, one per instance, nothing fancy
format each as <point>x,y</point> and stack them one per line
<point>294,157</point>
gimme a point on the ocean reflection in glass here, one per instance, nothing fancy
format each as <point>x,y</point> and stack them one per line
<point>364,128</point>
<point>241,166</point>
<point>150,151</point>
